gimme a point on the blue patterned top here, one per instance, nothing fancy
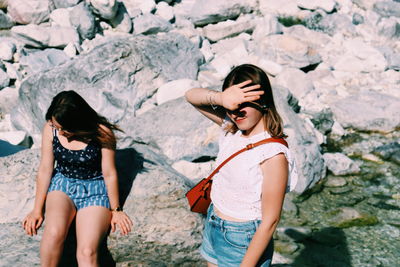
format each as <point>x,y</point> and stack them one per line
<point>79,164</point>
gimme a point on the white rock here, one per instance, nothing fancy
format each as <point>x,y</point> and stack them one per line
<point>327,5</point>
<point>340,164</point>
<point>150,24</point>
<point>229,28</point>
<point>265,26</point>
<point>122,21</point>
<point>209,78</point>
<point>60,17</point>
<point>206,50</point>
<point>8,101</point>
<point>269,66</point>
<point>298,83</point>
<point>282,7</point>
<point>192,170</point>
<point>175,89</point>
<point>14,137</point>
<point>12,70</point>
<point>107,9</point>
<point>165,11</point>
<point>29,11</point>
<point>7,50</point>
<point>137,7</point>
<point>70,50</point>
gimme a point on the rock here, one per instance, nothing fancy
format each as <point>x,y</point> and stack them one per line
<point>138,7</point>
<point>70,50</point>
<point>331,23</point>
<point>7,50</point>
<point>289,51</point>
<point>357,19</point>
<point>152,194</point>
<point>83,20</point>
<point>349,217</point>
<point>267,25</point>
<point>206,50</point>
<point>389,27</point>
<point>282,8</point>
<point>327,5</point>
<point>60,17</point>
<point>389,151</point>
<point>150,24</point>
<point>42,36</point>
<point>107,9</point>
<point>229,28</point>
<point>359,57</point>
<point>314,39</point>
<point>174,89</point>
<point>285,247</point>
<point>65,3</point>
<point>15,137</point>
<point>115,77</point>
<point>340,164</point>
<point>196,134</point>
<point>387,8</point>
<point>43,60</point>
<point>29,11</point>
<point>194,171</point>
<point>165,11</point>
<point>323,121</point>
<point>8,100</point>
<point>203,12</point>
<point>5,21</point>
<point>380,112</point>
<point>296,81</point>
<point>3,3</point>
<point>122,21</point>
<point>335,182</point>
<point>4,79</point>
<point>302,142</point>
<point>364,4</point>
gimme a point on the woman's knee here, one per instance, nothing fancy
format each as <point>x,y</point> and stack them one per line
<point>55,235</point>
<point>85,254</point>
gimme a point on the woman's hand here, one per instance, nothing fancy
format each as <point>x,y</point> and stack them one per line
<point>233,96</point>
<point>32,222</point>
<point>122,220</point>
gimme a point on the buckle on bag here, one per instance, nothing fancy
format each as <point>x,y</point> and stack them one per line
<point>250,146</point>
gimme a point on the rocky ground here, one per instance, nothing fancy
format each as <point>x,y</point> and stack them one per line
<point>334,66</point>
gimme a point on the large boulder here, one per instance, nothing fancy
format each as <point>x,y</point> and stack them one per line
<point>115,77</point>
<point>29,11</point>
<point>152,194</point>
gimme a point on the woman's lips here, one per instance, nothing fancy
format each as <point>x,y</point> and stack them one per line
<point>239,120</point>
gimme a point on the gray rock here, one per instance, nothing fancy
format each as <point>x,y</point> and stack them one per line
<point>387,8</point>
<point>122,21</point>
<point>340,164</point>
<point>150,24</point>
<point>152,194</point>
<point>43,36</point>
<point>8,100</point>
<point>3,3</point>
<point>287,50</point>
<point>83,20</point>
<point>331,23</point>
<point>196,134</point>
<point>7,50</point>
<point>389,27</point>
<point>203,12</point>
<point>335,182</point>
<point>357,19</point>
<point>106,9</point>
<point>29,11</point>
<point>380,112</point>
<point>115,77</point>
<point>138,7</point>
<point>323,121</point>
<point>348,217</point>
<point>389,152</point>
<point>65,3</point>
<point>5,21</point>
<point>302,142</point>
<point>43,60</point>
<point>266,26</point>
<point>4,79</point>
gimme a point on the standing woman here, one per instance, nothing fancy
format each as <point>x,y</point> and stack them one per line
<point>248,192</point>
<point>83,184</point>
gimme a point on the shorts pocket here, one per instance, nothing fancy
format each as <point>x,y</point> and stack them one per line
<point>237,239</point>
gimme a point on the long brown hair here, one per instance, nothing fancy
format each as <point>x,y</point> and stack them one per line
<point>272,120</point>
<point>75,115</point>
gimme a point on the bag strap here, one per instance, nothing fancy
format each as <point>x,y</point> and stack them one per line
<point>248,147</point>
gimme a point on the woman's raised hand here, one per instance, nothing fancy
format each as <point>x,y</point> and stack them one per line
<point>32,222</point>
<point>233,96</point>
<point>120,219</point>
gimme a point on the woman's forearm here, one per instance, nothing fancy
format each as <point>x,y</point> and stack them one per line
<point>111,182</point>
<point>259,243</point>
<point>42,185</point>
<point>203,97</point>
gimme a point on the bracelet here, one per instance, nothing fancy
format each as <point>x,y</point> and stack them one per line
<point>211,100</point>
<point>118,208</point>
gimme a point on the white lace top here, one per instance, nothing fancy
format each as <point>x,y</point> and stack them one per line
<point>236,189</point>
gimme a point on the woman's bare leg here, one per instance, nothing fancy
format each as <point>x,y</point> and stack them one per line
<point>209,264</point>
<point>60,212</point>
<point>92,224</point>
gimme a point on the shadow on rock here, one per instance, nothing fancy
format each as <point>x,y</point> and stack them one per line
<point>129,163</point>
<point>324,248</point>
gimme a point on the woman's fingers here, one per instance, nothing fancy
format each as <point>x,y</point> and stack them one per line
<point>251,88</point>
<point>254,93</point>
<point>242,84</point>
<point>252,98</point>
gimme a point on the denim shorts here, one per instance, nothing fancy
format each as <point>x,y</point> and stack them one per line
<point>225,242</point>
<point>82,192</point>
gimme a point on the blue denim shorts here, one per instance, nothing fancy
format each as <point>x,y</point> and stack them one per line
<point>82,192</point>
<point>225,242</point>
